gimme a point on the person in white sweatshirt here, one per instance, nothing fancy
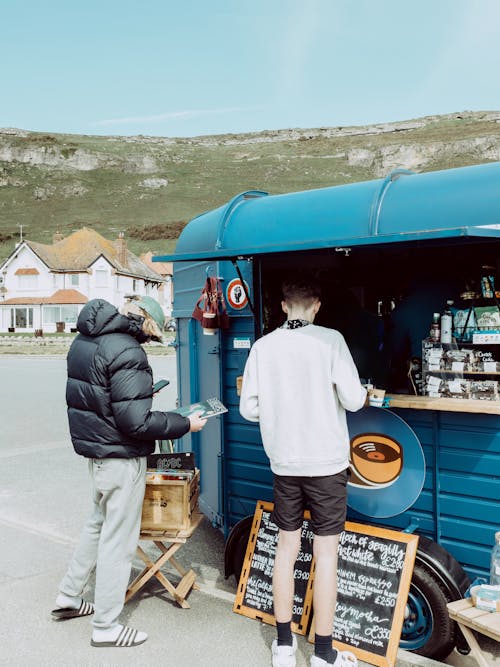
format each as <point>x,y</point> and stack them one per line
<point>298,382</point>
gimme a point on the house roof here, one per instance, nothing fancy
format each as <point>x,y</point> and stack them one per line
<point>61,297</point>
<point>163,268</point>
<point>80,250</point>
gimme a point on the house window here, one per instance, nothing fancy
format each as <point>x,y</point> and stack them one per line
<point>27,282</point>
<point>101,278</point>
<point>69,313</point>
<point>134,285</point>
<point>22,318</point>
<point>75,279</point>
<point>53,314</point>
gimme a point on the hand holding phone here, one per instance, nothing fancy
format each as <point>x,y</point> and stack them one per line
<point>159,385</point>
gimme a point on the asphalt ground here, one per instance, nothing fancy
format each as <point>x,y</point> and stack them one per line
<point>44,502</point>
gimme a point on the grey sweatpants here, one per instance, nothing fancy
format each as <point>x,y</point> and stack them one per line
<point>109,538</point>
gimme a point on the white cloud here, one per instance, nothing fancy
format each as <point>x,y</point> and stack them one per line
<point>172,115</point>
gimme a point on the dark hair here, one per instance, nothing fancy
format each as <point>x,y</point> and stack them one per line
<point>301,289</point>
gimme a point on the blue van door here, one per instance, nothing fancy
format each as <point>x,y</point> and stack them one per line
<point>209,440</point>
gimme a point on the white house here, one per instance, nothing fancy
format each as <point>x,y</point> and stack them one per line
<point>166,290</point>
<point>44,287</point>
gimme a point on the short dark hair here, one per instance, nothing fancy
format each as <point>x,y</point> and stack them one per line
<point>301,289</point>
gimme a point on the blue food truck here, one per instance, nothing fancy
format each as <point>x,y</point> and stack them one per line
<point>389,253</point>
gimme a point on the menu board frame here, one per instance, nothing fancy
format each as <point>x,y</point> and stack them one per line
<point>410,542</point>
<point>356,536</point>
<point>241,604</point>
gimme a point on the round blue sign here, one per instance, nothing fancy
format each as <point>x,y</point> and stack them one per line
<point>387,463</point>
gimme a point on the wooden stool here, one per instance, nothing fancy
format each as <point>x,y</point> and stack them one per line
<point>168,542</point>
<point>468,616</point>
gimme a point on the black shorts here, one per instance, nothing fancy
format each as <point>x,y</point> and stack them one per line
<point>325,497</point>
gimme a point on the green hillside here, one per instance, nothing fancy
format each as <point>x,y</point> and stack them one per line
<point>149,187</point>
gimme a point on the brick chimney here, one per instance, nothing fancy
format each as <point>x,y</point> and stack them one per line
<point>121,246</point>
<point>57,237</point>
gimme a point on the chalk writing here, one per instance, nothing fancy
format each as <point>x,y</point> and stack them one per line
<point>369,571</point>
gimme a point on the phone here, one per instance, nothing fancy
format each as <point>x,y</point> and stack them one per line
<point>159,385</point>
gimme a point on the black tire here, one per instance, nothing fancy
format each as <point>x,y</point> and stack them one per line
<point>236,547</point>
<point>432,550</point>
<point>427,628</point>
<point>239,555</point>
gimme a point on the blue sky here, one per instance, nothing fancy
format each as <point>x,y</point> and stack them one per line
<point>196,67</point>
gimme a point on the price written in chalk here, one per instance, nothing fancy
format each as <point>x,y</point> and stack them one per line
<point>370,570</point>
<point>255,595</point>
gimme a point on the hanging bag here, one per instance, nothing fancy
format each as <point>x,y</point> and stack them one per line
<point>210,309</point>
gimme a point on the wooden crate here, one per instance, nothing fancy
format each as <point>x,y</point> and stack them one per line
<point>170,503</point>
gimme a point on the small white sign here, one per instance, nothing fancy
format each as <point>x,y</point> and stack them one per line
<point>486,337</point>
<point>241,343</point>
<point>490,366</point>
<point>457,366</point>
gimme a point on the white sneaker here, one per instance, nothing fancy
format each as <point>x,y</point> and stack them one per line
<point>343,659</point>
<point>284,656</point>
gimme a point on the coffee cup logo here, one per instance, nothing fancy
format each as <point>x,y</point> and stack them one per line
<point>376,460</point>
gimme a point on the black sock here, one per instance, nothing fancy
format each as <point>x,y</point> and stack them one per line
<point>323,648</point>
<point>284,633</point>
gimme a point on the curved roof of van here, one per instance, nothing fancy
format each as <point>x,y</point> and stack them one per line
<point>404,206</point>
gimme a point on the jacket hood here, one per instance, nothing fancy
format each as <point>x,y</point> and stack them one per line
<point>100,317</point>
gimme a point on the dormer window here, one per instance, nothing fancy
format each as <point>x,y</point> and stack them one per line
<point>75,280</point>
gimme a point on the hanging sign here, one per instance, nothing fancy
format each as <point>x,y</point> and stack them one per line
<point>235,294</point>
<point>387,464</point>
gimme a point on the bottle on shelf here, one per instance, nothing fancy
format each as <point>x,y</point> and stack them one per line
<point>495,562</point>
<point>435,333</point>
<point>447,323</point>
<point>488,282</point>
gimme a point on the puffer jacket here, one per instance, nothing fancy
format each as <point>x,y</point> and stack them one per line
<point>109,392</point>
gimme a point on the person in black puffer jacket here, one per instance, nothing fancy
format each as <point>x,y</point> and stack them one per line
<point>109,396</point>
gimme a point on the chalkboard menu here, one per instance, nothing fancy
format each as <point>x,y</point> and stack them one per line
<point>375,566</point>
<point>255,595</point>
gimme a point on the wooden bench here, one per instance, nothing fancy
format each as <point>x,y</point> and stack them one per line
<point>168,542</point>
<point>470,618</point>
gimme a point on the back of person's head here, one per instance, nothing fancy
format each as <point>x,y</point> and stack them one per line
<point>301,289</point>
<point>151,312</point>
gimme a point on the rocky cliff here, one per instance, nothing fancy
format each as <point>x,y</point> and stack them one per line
<point>150,186</point>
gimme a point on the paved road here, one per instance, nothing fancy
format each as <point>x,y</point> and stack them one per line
<point>43,504</point>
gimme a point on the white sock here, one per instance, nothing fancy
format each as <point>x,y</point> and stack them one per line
<point>111,634</point>
<point>64,601</point>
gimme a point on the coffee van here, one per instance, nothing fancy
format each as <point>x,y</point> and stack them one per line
<point>374,244</point>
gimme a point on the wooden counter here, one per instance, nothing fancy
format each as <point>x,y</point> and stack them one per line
<point>444,404</point>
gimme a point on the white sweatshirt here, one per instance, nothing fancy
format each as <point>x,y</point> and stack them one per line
<point>297,384</point>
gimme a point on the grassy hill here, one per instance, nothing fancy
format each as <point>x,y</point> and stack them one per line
<point>149,187</point>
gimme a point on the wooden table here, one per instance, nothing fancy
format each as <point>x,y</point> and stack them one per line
<point>168,542</point>
<point>468,616</point>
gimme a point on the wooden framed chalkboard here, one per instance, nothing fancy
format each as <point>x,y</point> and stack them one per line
<point>254,597</point>
<point>375,567</point>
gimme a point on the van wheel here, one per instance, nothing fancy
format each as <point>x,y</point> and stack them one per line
<point>427,628</point>
<point>236,546</point>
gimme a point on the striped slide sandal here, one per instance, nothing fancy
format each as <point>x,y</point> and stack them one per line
<point>127,637</point>
<point>64,613</point>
